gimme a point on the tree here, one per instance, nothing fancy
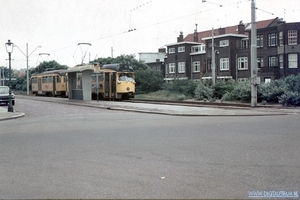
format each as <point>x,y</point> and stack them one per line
<point>123,59</point>
<point>48,66</point>
<point>148,80</point>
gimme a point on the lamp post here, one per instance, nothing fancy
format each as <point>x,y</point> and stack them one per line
<point>27,58</point>
<point>9,48</point>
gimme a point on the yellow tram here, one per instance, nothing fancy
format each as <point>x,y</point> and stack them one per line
<point>115,81</point>
<point>50,83</point>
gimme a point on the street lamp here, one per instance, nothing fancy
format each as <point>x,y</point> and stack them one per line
<point>9,48</point>
<point>27,58</point>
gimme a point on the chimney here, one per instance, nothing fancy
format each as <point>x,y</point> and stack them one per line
<point>196,34</point>
<point>241,28</point>
<point>221,31</point>
<point>180,38</point>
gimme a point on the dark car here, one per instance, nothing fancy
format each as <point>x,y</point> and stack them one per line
<point>4,94</point>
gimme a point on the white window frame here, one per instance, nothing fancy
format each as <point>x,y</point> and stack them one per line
<point>281,38</point>
<point>181,67</point>
<point>171,68</point>
<point>281,61</point>
<point>224,43</point>
<point>272,39</point>
<point>198,48</point>
<point>260,41</point>
<point>171,50</point>
<point>243,79</point>
<point>196,66</point>
<point>243,63</point>
<point>293,61</point>
<point>245,43</point>
<point>181,49</point>
<point>273,61</point>
<point>224,64</point>
<point>260,60</point>
<point>292,37</point>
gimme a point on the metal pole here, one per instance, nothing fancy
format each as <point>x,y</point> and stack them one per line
<point>97,88</point>
<point>10,108</point>
<point>27,73</point>
<point>27,60</point>
<point>213,60</point>
<point>253,57</point>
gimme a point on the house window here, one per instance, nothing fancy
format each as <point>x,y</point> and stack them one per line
<point>272,39</point>
<point>273,61</point>
<point>267,80</point>
<point>196,66</point>
<point>243,79</point>
<point>171,68</point>
<point>245,43</point>
<point>281,61</point>
<point>181,67</point>
<point>181,49</point>
<point>293,60</point>
<point>243,63</point>
<point>171,50</point>
<point>199,48</point>
<point>280,38</point>
<point>292,37</point>
<point>260,62</point>
<point>224,64</point>
<point>259,40</point>
<point>224,43</point>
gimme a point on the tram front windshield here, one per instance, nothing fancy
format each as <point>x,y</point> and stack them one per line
<point>126,77</point>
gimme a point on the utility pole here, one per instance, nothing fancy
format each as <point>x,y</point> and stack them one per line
<point>213,60</point>
<point>254,80</point>
<point>27,60</point>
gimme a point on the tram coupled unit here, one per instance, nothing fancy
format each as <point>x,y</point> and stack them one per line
<point>50,83</point>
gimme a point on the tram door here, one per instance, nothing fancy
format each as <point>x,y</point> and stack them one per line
<point>113,85</point>
<point>110,85</point>
<point>54,85</point>
<point>107,85</point>
<point>39,85</point>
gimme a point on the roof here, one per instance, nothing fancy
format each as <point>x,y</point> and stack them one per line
<point>228,30</point>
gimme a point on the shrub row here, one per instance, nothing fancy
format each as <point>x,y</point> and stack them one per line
<point>285,91</point>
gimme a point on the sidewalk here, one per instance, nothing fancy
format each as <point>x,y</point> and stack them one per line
<point>156,109</point>
<point>4,115</point>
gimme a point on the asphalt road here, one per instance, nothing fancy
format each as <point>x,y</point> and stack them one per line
<point>66,151</point>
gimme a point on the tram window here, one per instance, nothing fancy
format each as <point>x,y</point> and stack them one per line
<point>100,77</point>
<point>126,77</point>
<point>58,79</point>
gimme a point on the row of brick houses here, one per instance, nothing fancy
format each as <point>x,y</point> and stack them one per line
<point>278,48</point>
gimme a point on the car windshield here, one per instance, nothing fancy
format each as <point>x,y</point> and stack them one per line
<point>4,90</point>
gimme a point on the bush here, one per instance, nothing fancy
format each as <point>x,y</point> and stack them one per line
<point>293,83</point>
<point>186,87</point>
<point>203,92</point>
<point>241,91</point>
<point>148,80</point>
<point>272,91</point>
<point>290,99</point>
<point>222,87</point>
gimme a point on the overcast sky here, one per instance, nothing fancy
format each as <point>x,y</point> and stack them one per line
<point>59,25</point>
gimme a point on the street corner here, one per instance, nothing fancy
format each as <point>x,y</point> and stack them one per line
<point>4,115</point>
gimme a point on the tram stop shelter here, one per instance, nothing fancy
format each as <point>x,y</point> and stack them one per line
<point>79,82</point>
